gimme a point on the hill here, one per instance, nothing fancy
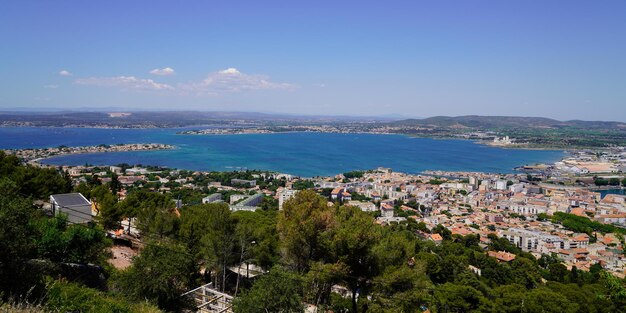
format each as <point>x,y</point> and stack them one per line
<point>500,122</point>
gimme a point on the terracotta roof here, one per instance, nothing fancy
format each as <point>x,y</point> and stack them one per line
<point>436,237</point>
<point>386,206</point>
<point>502,255</point>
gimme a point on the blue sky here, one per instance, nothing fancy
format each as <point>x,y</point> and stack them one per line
<point>559,59</point>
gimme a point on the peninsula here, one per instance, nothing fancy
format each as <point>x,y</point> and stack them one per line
<point>33,155</point>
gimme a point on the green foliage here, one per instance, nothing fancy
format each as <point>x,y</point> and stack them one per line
<point>109,212</point>
<point>616,288</point>
<point>502,244</point>
<point>401,289</point>
<point>209,230</point>
<point>256,236</point>
<point>303,184</point>
<point>33,181</point>
<point>16,244</point>
<point>69,297</point>
<point>600,181</point>
<point>277,291</point>
<point>436,181</point>
<point>59,242</point>
<point>33,245</point>
<point>350,242</point>
<point>582,224</point>
<point>154,212</point>
<point>269,203</point>
<point>160,274</point>
<point>515,298</point>
<point>301,224</point>
<point>353,174</point>
<point>456,298</point>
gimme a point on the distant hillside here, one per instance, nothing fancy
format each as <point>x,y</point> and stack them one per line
<point>166,118</point>
<point>493,122</point>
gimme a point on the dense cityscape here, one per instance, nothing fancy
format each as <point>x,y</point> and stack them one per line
<point>313,156</point>
<point>440,240</point>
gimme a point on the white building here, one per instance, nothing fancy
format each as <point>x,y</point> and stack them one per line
<point>212,198</point>
<point>529,240</point>
<point>74,205</point>
<point>285,195</point>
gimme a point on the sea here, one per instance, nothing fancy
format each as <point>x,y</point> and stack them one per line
<point>301,154</point>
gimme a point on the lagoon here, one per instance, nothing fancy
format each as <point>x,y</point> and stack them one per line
<point>303,154</point>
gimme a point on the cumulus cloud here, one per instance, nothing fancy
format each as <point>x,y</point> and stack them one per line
<point>51,86</point>
<point>65,73</point>
<point>225,81</point>
<point>232,80</point>
<point>163,71</point>
<point>125,82</point>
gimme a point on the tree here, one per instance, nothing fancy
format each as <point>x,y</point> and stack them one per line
<point>300,225</point>
<point>70,297</point>
<point>160,274</point>
<point>16,239</point>
<point>401,288</point>
<point>209,231</point>
<point>154,212</point>
<point>350,242</point>
<point>58,241</point>
<point>33,181</point>
<point>255,238</point>
<point>455,298</point>
<point>525,272</point>
<point>320,279</point>
<point>115,184</point>
<point>616,288</point>
<point>109,212</point>
<point>445,233</point>
<point>545,300</point>
<point>276,291</point>
<point>557,272</point>
<point>600,182</point>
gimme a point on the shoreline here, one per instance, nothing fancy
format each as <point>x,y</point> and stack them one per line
<point>191,132</point>
<point>35,155</point>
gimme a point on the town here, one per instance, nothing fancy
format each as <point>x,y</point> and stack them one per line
<point>528,209</point>
<point>568,217</point>
<point>37,154</point>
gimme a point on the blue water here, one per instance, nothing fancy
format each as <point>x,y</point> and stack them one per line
<point>603,193</point>
<point>304,154</point>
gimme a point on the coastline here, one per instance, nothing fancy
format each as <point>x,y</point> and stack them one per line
<point>235,131</point>
<point>347,150</point>
<point>35,155</point>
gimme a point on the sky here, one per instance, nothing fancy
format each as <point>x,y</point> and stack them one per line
<point>558,59</point>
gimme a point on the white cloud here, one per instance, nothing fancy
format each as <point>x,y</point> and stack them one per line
<point>125,82</point>
<point>51,86</point>
<point>229,80</point>
<point>65,73</point>
<point>232,80</point>
<point>230,70</point>
<point>163,71</point>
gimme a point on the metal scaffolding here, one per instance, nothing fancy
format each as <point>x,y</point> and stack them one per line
<point>209,300</point>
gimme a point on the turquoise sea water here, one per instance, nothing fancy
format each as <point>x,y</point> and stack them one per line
<point>304,154</point>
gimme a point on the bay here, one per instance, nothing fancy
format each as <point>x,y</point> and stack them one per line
<point>303,154</point>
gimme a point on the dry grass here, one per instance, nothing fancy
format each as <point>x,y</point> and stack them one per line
<point>20,308</point>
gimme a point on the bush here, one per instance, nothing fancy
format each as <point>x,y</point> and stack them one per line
<point>69,297</point>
